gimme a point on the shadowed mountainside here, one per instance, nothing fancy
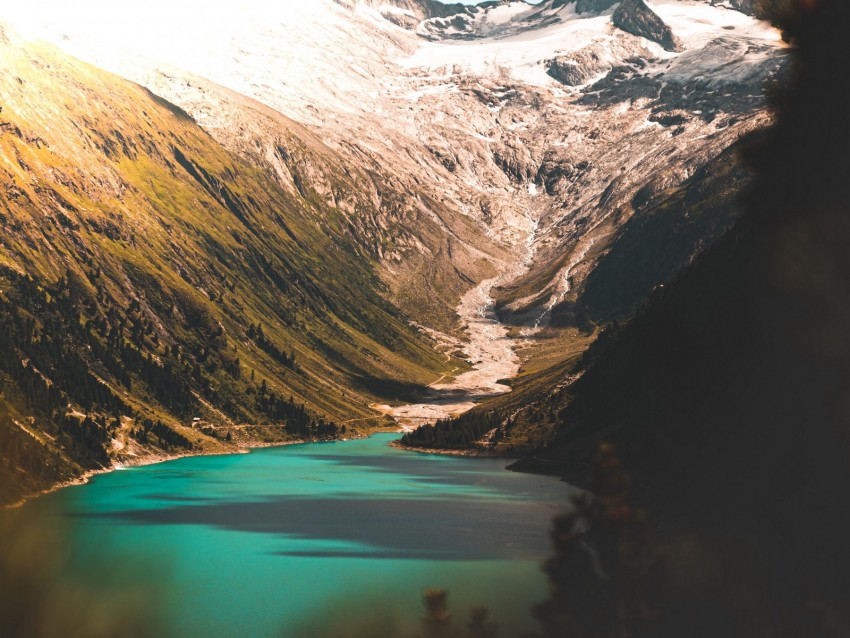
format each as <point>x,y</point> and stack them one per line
<point>726,400</point>
<point>727,394</point>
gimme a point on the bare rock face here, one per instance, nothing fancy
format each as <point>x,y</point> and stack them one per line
<point>407,14</point>
<point>750,7</point>
<point>635,17</point>
<point>594,61</point>
<point>593,6</point>
<point>568,71</point>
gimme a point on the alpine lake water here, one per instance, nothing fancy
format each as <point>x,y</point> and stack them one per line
<point>312,539</point>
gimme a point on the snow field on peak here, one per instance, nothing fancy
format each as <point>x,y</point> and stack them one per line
<point>521,54</point>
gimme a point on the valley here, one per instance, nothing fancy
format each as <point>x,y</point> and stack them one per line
<point>471,182</point>
<point>489,351</point>
<point>424,319</point>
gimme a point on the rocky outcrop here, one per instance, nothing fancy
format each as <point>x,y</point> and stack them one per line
<point>435,9</point>
<point>409,13</point>
<point>569,72</point>
<point>598,58</point>
<point>593,6</point>
<point>635,17</point>
<point>750,7</point>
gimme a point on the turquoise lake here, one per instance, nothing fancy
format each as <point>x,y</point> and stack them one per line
<point>312,539</point>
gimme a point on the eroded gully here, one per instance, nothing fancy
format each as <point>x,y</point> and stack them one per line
<point>490,349</point>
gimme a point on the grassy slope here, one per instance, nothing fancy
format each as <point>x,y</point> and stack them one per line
<point>121,212</point>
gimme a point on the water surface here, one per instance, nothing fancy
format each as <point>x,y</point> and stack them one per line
<point>284,541</point>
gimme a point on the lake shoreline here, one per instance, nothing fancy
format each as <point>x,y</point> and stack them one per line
<point>146,460</point>
<point>487,454</point>
<point>162,457</point>
<point>263,544</point>
<point>156,458</point>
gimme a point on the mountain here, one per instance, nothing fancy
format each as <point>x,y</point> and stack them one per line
<point>728,384</point>
<point>726,394</point>
<point>491,121</point>
<point>360,179</point>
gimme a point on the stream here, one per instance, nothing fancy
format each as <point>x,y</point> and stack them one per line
<point>489,350</point>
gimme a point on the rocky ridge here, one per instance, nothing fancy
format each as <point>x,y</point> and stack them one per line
<point>635,17</point>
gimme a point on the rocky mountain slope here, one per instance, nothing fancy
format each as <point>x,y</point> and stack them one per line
<point>624,146</point>
<point>514,126</point>
<point>727,394</point>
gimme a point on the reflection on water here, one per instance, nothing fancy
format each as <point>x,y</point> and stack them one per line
<point>260,544</point>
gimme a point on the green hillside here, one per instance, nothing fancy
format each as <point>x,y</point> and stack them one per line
<point>149,277</point>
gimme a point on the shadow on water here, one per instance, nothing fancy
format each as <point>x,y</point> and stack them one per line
<point>417,465</point>
<point>421,529</point>
<point>484,474</point>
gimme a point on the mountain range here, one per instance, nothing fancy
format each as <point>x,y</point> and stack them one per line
<point>227,228</point>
